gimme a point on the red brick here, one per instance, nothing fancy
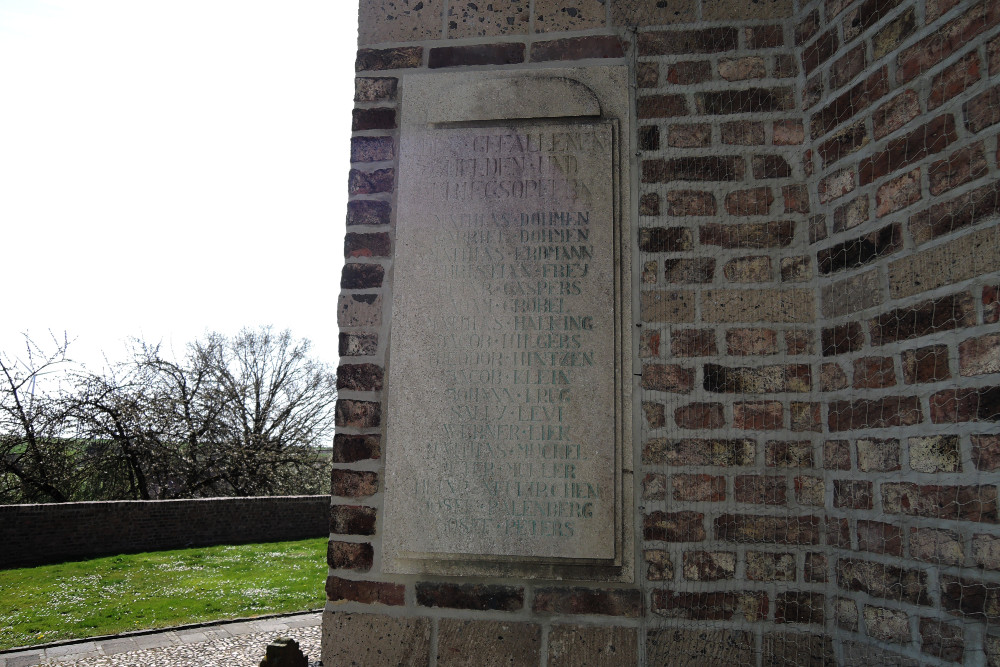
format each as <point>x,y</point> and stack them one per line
<point>693,343</point>
<point>359,377</point>
<point>689,72</point>
<point>923,318</point>
<point>367,212</point>
<point>895,113</point>
<point>815,569</point>
<point>690,202</point>
<point>771,166</point>
<point>377,118</point>
<point>661,106</point>
<point>696,168</point>
<point>696,270</point>
<point>352,520</point>
<point>874,373</point>
<point>664,239</point>
<point>847,337</point>
<point>349,555</point>
<point>788,133</point>
<point>361,276</point>
<point>353,448</point>
<point>745,100</point>
<point>796,198</point>
<point>649,204</point>
<point>667,377</point>
<point>962,166</point>
<point>358,414</point>
<point>886,412</point>
<point>700,415</point>
<point>880,538</point>
<point>838,533</point>
<point>760,489</point>
<point>481,597</point>
<point>699,488</point>
<point>699,452</point>
<point>755,201</point>
<point>758,415</point>
<point>379,59</point>
<point>986,452</point>
<point>714,606</point>
<point>689,136</point>
<point>807,27</point>
<point>843,142</point>
<point>865,15</point>
<point>679,42</point>
<point>743,342</point>
<point>674,527</point>
<point>819,51</point>
<point>936,9</point>
<point>365,592</point>
<point>946,40</point>
<point>962,211</point>
<point>991,304</point>
<point>778,234</point>
<point>927,139</point>
<point>798,341</point>
<point>993,55</point>
<point>741,69</point>
<point>964,405</point>
<point>647,75</point>
<point>577,48</point>
<point>850,103</point>
<point>798,607</point>
<point>366,245</point>
<point>509,53</point>
<point>961,503</point>
<point>767,529</point>
<point>785,66</point>
<point>805,416</point>
<point>371,149</point>
<point>814,92</point>
<point>743,133</point>
<point>784,454</point>
<point>370,182</point>
<point>837,455</point>
<point>607,602</point>
<point>971,598</point>
<point>848,66</point>
<point>952,80</point>
<point>765,36</point>
<point>926,364</point>
<point>898,193</point>
<point>862,250</point>
<point>354,483</point>
<point>649,137</point>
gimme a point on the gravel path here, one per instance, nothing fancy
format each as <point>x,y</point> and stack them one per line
<point>239,644</point>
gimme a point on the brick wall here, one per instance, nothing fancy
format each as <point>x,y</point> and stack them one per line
<point>56,532</point>
<point>817,269</point>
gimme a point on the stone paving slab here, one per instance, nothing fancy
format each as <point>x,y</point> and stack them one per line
<point>232,644</point>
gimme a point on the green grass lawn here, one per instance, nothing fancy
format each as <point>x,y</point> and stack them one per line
<point>107,596</point>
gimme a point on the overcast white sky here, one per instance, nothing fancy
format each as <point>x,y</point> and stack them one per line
<point>168,168</point>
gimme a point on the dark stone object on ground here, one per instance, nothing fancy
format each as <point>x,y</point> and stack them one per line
<point>283,652</point>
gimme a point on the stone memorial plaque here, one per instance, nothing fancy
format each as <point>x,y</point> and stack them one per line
<point>502,380</point>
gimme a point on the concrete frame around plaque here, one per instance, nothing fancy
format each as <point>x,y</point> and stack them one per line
<point>481,477</point>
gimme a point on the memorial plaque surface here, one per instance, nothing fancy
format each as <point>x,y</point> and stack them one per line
<point>501,405</point>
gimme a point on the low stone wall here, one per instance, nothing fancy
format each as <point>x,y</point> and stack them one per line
<point>50,533</point>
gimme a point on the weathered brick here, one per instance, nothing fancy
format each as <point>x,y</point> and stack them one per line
<point>895,113</point>
<point>880,538</point>
<point>659,566</point>
<point>850,103</point>
<point>357,343</point>
<point>757,305</point>
<point>991,304</point>
<point>693,343</point>
<point>794,648</point>
<point>679,42</point>
<point>753,269</point>
<point>654,414</point>
<point>689,72</point>
<point>862,250</point>
<point>695,168</point>
<point>952,80</point>
<point>370,182</point>
<point>695,135</point>
<point>788,454</point>
<point>700,415</point>
<point>714,606</point>
<point>852,294</point>
<point>674,526</point>
<point>848,66</point>
<point>371,149</point>
<point>947,39</point>
<point>926,364</point>
<point>352,520</point>
<point>359,377</point>
<point>661,106</point>
<point>852,494</point>
<point>483,597</point>
<point>367,245</point>
<point>607,602</point>
<point>865,15</point>
<point>898,193</point>
<point>649,137</point>
<point>778,234</point>
<point>709,565</point>
<point>846,612</point>
<point>740,69</point>
<point>699,452</point>
<point>837,455</point>
<point>851,214</point>
<point>380,59</point>
<point>358,414</point>
<point>767,529</point>
<point>937,546</point>
<point>576,48</point>
<point>787,133</point>
<point>368,212</point>
<point>760,489</point>
<point>815,568</point>
<point>810,490</point>
<point>354,483</point>
<point>963,405</point>
<point>758,380</point>
<point>481,643</point>
<point>979,356</point>
<point>942,640</point>
<point>667,377</point>
<point>647,75</point>
<point>843,142</point>
<point>359,310</point>
<point>349,555</point>
<point>923,318</point>
<point>962,166</point>
<point>814,91</point>
<point>836,185</point>
<point>765,36</point>
<point>847,337</point>
<point>755,201</point>
<point>509,53</point>
<point>758,415</point>
<point>799,341</point>
<point>665,239</point>
<point>878,454</point>
<point>663,306</point>
<point>353,448</point>
<point>770,166</point>
<point>796,198</point>
<point>690,202</point>
<point>935,453</point>
<point>365,592</point>
<point>930,138</point>
<point>971,598</point>
<point>649,204</point>
<point>807,28</point>
<point>962,211</point>
<point>374,89</point>
<point>572,645</point>
<point>361,276</point>
<point>699,488</point>
<point>874,373</point>
<point>888,625</point>
<point>986,551</point>
<point>894,33</point>
<point>986,452</point>
<point>886,412</point>
<point>743,342</point>
<point>799,607</point>
<point>880,580</point>
<point>838,532</point>
<point>766,566</point>
<point>963,503</point>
